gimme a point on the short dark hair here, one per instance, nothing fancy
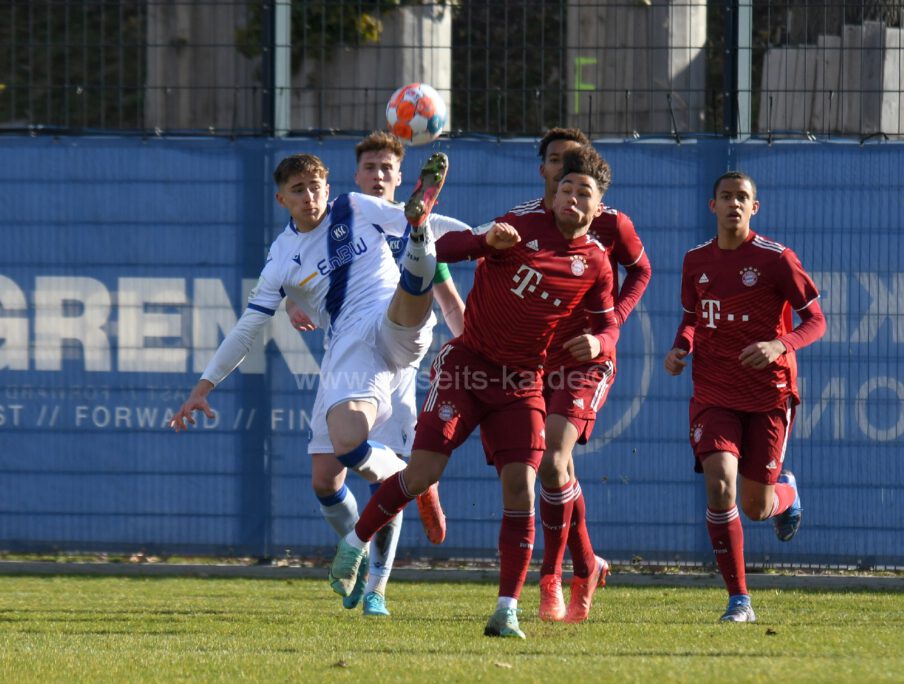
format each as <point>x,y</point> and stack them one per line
<point>587,161</point>
<point>553,134</point>
<point>299,163</point>
<point>734,175</point>
<point>379,141</point>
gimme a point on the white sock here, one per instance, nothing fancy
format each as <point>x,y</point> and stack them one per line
<point>373,461</point>
<point>506,602</point>
<point>382,555</point>
<point>418,265</point>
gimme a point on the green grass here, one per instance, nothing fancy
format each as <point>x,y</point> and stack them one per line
<point>122,629</point>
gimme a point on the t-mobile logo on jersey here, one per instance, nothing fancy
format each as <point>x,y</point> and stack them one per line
<point>528,281</point>
<point>712,313</point>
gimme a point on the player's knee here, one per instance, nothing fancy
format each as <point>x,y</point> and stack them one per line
<point>553,472</point>
<point>755,510</point>
<point>325,487</point>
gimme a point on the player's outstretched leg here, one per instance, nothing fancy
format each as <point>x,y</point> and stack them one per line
<point>429,183</point>
<point>739,610</point>
<point>786,524</point>
<point>348,563</point>
<point>432,515</point>
<point>582,590</point>
<point>504,623</point>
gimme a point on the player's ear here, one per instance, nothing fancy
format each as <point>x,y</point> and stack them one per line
<point>279,198</point>
<point>712,206</point>
<point>755,208</point>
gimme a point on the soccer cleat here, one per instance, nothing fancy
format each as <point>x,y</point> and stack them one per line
<point>430,182</point>
<point>375,605</point>
<point>432,516</point>
<point>504,623</point>
<point>346,566</point>
<point>739,610</point>
<point>353,599</point>
<point>786,524</point>
<point>582,589</point>
<point>552,604</point>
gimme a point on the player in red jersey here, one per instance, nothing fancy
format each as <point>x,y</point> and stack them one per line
<point>737,292</point>
<point>531,277</point>
<point>574,391</point>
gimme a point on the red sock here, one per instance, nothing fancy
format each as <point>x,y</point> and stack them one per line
<point>516,543</point>
<point>727,537</point>
<point>383,506</point>
<point>582,556</point>
<point>555,516</point>
<point>782,498</point>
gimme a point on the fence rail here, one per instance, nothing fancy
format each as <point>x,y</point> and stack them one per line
<point>625,68</point>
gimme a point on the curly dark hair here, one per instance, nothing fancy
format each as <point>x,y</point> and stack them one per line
<point>553,134</point>
<point>588,162</point>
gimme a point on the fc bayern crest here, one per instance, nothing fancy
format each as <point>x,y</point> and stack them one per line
<point>697,433</point>
<point>750,276</point>
<point>446,411</point>
<point>339,231</point>
<point>578,265</point>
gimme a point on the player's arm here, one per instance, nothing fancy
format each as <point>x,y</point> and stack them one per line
<point>463,246</point>
<point>675,361</point>
<point>604,327</point>
<point>632,256</point>
<point>228,356</point>
<point>450,302</point>
<point>801,293</point>
<point>263,302</point>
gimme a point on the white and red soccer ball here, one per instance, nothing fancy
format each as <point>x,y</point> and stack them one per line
<point>416,114</point>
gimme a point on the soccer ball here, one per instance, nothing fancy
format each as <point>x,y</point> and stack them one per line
<point>416,114</point>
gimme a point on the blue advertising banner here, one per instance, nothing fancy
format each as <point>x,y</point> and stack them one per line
<point>123,262</point>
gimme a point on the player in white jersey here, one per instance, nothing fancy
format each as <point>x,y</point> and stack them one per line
<point>333,261</point>
<point>378,174</point>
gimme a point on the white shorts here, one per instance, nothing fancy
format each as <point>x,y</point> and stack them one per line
<point>398,431</point>
<point>365,365</point>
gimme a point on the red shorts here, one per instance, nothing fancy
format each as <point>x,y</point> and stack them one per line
<point>578,393</point>
<point>758,440</point>
<point>467,390</point>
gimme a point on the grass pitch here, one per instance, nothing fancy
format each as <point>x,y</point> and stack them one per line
<point>90,629</point>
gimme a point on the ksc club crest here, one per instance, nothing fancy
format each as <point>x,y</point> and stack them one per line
<point>697,433</point>
<point>339,231</point>
<point>750,276</point>
<point>578,265</point>
<point>446,411</point>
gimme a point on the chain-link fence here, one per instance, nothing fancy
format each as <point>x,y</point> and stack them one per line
<point>623,68</point>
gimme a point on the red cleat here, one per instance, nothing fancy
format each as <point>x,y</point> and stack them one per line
<point>432,515</point>
<point>429,183</point>
<point>552,604</point>
<point>582,589</point>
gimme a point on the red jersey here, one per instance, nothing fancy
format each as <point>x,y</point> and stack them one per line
<point>521,294</point>
<point>615,231</point>
<point>738,297</point>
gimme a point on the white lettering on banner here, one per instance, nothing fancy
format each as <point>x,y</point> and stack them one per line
<point>13,329</point>
<point>148,328</point>
<point>137,325</point>
<point>71,308</point>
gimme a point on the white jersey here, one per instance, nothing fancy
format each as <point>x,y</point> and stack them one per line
<point>342,274</point>
<point>339,273</point>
